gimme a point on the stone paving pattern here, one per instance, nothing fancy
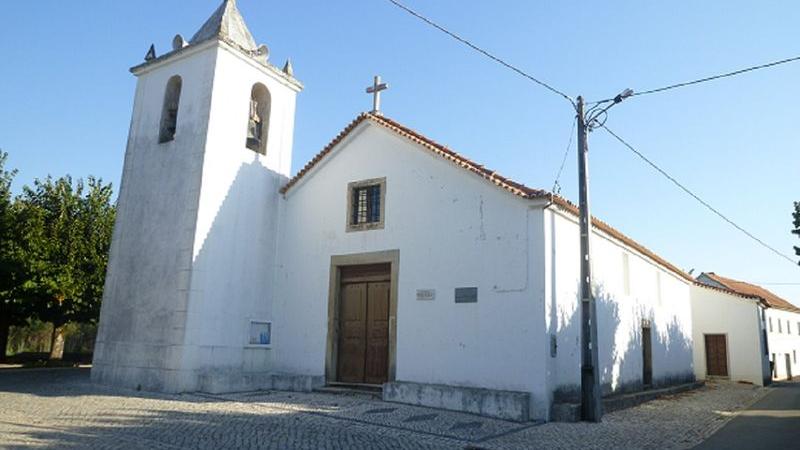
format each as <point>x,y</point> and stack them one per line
<point>60,408</point>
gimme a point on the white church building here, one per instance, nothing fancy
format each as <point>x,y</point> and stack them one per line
<point>388,260</point>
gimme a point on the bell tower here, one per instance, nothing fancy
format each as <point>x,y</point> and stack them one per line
<point>192,258</point>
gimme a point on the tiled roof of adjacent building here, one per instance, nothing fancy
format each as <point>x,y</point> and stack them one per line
<point>729,291</point>
<point>752,290</point>
<point>492,176</point>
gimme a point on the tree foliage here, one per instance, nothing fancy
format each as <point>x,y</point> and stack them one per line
<point>796,216</point>
<point>13,310</point>
<point>54,242</point>
<point>69,229</point>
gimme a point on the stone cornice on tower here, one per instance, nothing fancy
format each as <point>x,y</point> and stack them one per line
<point>225,25</point>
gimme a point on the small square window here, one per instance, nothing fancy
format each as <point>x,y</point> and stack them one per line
<point>366,204</point>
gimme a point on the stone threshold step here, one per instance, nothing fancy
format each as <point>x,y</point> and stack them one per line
<point>571,412</point>
<point>355,390</point>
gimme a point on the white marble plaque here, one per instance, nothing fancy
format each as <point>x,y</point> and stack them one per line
<point>426,294</point>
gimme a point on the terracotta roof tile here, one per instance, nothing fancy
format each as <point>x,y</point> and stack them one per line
<point>613,232</point>
<point>441,150</point>
<point>753,290</point>
<point>729,291</point>
<point>488,174</point>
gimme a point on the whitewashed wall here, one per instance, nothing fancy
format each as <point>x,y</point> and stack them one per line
<point>193,252</point>
<point>236,232</point>
<point>739,319</point>
<point>650,292</point>
<point>452,229</point>
<point>143,315</point>
<point>784,340</point>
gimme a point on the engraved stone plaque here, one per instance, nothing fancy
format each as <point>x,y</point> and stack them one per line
<point>426,294</point>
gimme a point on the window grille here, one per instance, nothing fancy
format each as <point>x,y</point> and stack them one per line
<point>366,205</point>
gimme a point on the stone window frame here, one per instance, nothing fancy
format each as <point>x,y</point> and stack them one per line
<point>352,186</point>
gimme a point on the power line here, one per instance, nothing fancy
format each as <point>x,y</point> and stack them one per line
<point>710,78</point>
<point>481,50</point>
<point>696,197</point>
<point>618,138</point>
<point>556,186</point>
<point>562,94</point>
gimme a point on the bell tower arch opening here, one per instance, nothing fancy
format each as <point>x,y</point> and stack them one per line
<point>169,111</point>
<point>258,119</point>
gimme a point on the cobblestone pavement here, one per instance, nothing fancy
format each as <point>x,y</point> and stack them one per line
<point>60,408</point>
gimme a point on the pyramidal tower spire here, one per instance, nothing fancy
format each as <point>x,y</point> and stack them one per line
<point>227,24</point>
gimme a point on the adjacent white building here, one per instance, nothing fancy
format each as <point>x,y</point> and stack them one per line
<point>389,259</point>
<point>729,335</point>
<point>779,321</point>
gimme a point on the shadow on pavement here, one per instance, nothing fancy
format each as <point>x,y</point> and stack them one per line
<point>772,422</point>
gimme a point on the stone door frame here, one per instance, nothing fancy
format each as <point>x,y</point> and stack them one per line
<point>392,257</point>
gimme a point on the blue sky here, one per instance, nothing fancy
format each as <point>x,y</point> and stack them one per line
<point>66,97</point>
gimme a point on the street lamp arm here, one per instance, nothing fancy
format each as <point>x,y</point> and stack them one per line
<point>592,116</point>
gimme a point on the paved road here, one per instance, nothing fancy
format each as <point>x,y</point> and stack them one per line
<point>62,409</point>
<point>772,422</point>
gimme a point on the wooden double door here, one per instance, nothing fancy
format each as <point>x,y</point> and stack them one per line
<point>716,355</point>
<point>363,347</point>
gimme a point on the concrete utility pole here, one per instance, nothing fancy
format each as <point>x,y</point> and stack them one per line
<point>591,398</point>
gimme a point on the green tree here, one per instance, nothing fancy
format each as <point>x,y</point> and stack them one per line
<point>68,228</point>
<point>796,216</point>
<point>13,310</point>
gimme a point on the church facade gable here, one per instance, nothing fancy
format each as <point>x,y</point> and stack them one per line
<point>455,232</point>
<point>452,231</point>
